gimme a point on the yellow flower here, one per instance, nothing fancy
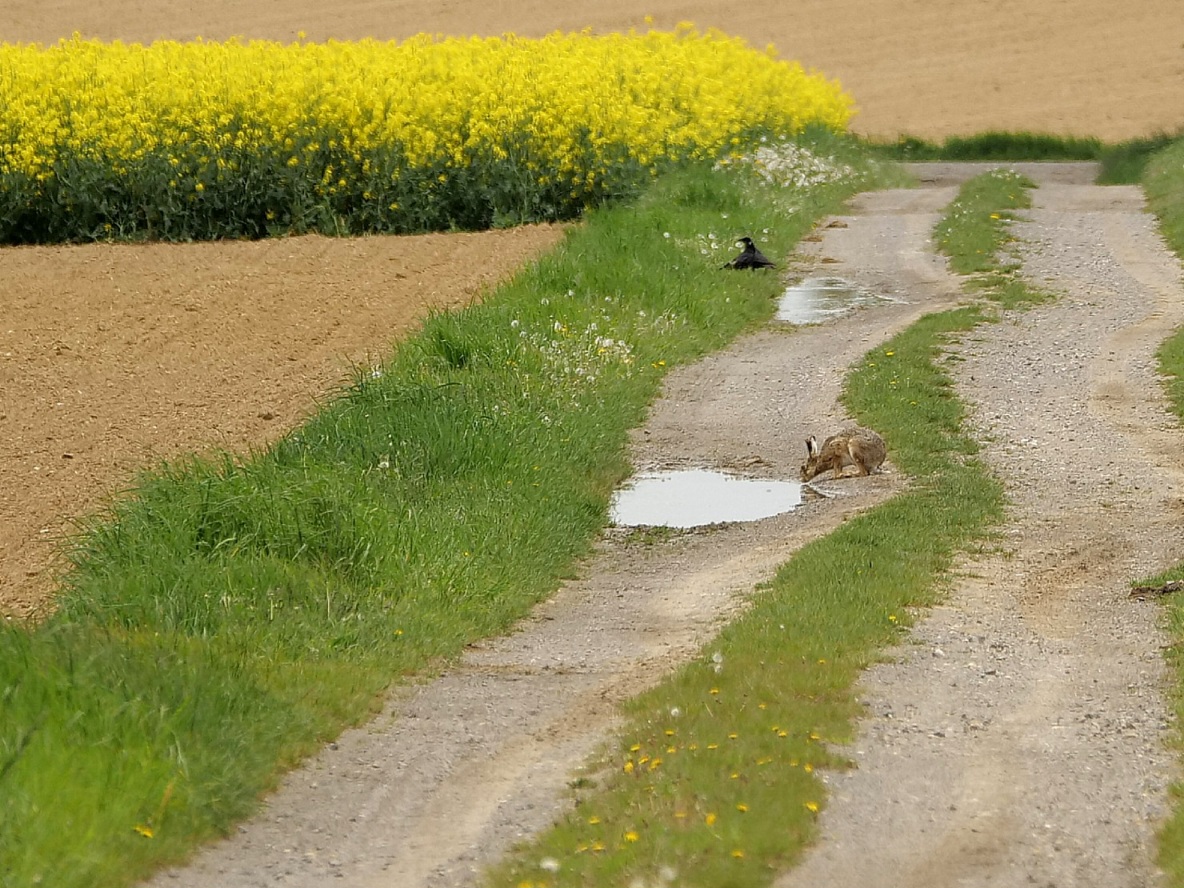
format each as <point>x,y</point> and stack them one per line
<point>742,808</point>
<point>582,107</point>
<point>710,819</point>
<point>737,853</point>
<point>631,836</point>
<point>812,807</point>
<point>144,830</point>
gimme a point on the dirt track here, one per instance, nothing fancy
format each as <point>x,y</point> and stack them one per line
<point>1020,737</point>
<point>459,769</point>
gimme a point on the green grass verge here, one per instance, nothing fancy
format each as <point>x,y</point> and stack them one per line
<point>1163,180</point>
<point>997,145</point>
<point>234,613</point>
<point>1125,163</point>
<point>1171,837</point>
<point>1122,163</point>
<point>1164,184</point>
<point>712,780</point>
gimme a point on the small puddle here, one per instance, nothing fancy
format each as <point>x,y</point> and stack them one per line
<point>818,299</point>
<point>696,497</point>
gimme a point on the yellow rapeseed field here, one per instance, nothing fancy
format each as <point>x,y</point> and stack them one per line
<point>374,135</point>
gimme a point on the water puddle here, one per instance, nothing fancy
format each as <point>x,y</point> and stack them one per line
<point>819,299</point>
<point>696,497</point>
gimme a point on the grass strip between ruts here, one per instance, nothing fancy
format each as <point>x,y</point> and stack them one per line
<point>234,613</point>
<point>712,780</point>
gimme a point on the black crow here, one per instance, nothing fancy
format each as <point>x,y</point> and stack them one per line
<point>751,257</point>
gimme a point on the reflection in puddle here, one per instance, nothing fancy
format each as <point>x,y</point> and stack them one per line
<point>818,299</point>
<point>696,497</point>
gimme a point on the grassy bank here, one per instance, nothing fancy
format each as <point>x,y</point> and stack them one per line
<point>712,781</point>
<point>1164,184</point>
<point>1121,162</point>
<point>233,614</point>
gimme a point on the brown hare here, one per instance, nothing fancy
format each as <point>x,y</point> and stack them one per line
<point>852,446</point>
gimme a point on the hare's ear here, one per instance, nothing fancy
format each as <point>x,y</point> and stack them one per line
<point>812,446</point>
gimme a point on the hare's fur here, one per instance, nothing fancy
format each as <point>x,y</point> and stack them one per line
<point>850,447</point>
